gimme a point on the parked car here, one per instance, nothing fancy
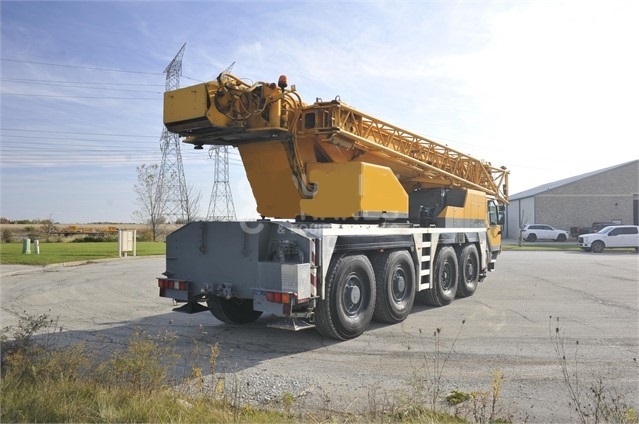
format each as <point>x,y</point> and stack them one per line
<point>534,232</point>
<point>577,231</point>
<point>596,226</point>
<point>613,236</point>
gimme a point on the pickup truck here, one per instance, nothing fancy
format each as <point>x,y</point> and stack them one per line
<point>613,236</point>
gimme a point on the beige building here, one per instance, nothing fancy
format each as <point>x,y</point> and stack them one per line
<point>610,194</point>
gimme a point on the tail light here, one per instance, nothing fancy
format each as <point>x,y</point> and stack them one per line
<point>165,283</point>
<point>279,297</point>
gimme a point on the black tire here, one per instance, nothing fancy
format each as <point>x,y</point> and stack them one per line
<point>395,281</point>
<point>597,246</point>
<point>233,311</point>
<point>468,271</point>
<point>350,292</point>
<point>531,237</point>
<point>561,237</point>
<point>445,279</point>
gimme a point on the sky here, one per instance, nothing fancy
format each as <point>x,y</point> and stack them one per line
<point>548,89</point>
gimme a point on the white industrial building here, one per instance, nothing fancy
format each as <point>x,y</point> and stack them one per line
<point>610,194</point>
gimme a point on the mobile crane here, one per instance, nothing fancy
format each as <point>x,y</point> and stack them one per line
<point>359,217</point>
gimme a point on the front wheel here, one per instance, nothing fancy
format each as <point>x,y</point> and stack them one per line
<point>445,279</point>
<point>395,281</point>
<point>597,246</point>
<point>349,303</point>
<point>561,237</point>
<point>233,311</point>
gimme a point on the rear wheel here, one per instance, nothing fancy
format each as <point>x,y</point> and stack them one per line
<point>531,237</point>
<point>233,311</point>
<point>445,279</point>
<point>349,302</point>
<point>395,281</point>
<point>597,246</point>
<point>468,271</point>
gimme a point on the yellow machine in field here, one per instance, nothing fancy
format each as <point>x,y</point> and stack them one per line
<point>381,215</point>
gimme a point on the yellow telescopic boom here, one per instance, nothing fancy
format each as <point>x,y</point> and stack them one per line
<point>325,160</point>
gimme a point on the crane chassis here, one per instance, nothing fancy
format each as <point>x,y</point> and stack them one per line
<point>336,277</point>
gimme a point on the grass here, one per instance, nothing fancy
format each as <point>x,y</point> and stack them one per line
<point>53,253</point>
<point>528,246</point>
<point>568,246</point>
<point>593,400</point>
<point>42,382</point>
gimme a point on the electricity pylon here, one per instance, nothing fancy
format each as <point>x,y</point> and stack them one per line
<point>171,179</point>
<point>221,204</point>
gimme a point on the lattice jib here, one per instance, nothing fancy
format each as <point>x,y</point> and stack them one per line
<point>436,160</point>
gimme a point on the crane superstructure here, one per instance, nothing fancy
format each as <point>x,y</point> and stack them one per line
<point>380,215</point>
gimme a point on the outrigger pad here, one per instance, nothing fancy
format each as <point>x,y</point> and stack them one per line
<point>191,308</point>
<point>291,323</point>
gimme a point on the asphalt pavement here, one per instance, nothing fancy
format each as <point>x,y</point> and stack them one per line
<point>507,327</point>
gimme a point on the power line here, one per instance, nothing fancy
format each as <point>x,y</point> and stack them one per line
<point>38,137</point>
<point>89,88</point>
<point>66,145</point>
<point>48,141</point>
<point>78,82</point>
<point>36,148</point>
<point>35,159</point>
<point>78,97</point>
<point>77,133</point>
<point>62,162</point>
<point>88,156</point>
<point>92,68</point>
<point>193,79</point>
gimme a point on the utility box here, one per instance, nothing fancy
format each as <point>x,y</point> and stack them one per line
<point>127,242</point>
<point>26,246</point>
